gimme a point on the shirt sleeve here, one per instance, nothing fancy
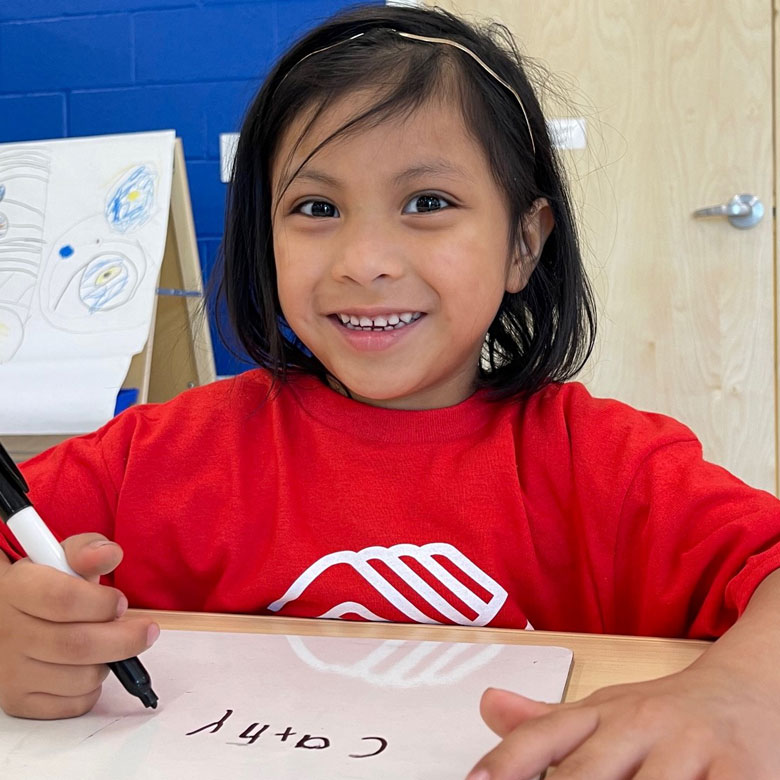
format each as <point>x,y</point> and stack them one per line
<point>693,543</point>
<point>74,486</point>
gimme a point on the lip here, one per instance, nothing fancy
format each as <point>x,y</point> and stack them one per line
<point>373,340</point>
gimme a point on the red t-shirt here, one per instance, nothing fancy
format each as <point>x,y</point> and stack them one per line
<point>560,512</point>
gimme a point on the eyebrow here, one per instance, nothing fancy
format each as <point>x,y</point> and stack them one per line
<point>312,174</point>
<point>438,167</point>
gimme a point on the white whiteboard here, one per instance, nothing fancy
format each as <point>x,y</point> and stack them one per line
<point>83,224</point>
<point>290,707</point>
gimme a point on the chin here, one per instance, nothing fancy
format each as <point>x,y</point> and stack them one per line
<point>380,393</point>
<point>375,395</point>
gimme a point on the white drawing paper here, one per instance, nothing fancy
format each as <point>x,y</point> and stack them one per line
<point>289,707</point>
<point>83,223</point>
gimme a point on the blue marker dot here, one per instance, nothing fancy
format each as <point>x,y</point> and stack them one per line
<point>66,251</point>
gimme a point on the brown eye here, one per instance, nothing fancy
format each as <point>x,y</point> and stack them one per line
<point>421,204</point>
<point>317,208</point>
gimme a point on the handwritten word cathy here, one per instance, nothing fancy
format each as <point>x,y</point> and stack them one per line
<point>307,742</point>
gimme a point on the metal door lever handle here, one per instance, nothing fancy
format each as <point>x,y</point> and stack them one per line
<point>742,211</point>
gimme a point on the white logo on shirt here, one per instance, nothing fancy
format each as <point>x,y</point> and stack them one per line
<point>391,557</point>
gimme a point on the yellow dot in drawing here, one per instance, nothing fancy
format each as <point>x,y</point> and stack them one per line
<point>133,195</point>
<point>106,276</point>
<point>4,330</point>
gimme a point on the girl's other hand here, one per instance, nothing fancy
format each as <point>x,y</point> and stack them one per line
<point>57,632</point>
<point>699,723</point>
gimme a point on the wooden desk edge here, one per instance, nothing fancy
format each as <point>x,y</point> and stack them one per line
<point>599,659</point>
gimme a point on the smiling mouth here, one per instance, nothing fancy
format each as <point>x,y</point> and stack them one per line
<point>378,323</point>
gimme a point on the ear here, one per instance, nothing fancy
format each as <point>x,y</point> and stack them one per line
<point>538,223</point>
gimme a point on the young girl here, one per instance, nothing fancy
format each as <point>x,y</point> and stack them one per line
<point>401,261</point>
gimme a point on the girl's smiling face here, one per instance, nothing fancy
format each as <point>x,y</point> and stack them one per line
<point>398,222</point>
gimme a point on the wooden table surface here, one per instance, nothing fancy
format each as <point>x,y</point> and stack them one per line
<point>599,659</point>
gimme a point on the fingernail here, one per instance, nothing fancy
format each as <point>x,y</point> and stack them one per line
<point>152,634</point>
<point>99,543</point>
<point>121,605</point>
<point>479,774</point>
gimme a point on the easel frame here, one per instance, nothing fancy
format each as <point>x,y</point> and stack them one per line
<point>178,353</point>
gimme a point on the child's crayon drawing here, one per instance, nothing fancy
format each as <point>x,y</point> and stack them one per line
<point>83,225</point>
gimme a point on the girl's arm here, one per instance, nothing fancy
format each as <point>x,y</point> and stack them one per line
<point>752,644</point>
<point>719,718</point>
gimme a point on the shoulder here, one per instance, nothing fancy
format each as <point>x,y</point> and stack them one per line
<point>593,453</point>
<point>596,436</point>
<point>226,401</point>
<point>213,412</point>
<point>570,408</point>
<point>243,391</point>
<point>199,422</point>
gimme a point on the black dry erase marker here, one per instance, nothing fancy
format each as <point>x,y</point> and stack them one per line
<point>42,547</point>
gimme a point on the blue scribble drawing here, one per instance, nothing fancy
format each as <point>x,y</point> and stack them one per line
<point>132,200</point>
<point>24,178</point>
<point>104,281</point>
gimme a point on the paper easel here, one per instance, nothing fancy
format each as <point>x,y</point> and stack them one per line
<point>178,353</point>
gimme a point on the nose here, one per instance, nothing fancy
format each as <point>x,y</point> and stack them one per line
<point>367,253</point>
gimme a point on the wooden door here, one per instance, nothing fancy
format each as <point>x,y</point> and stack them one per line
<point>678,107</point>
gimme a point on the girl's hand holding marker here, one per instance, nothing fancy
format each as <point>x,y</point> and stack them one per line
<point>58,632</point>
<point>401,261</point>
<point>61,601</point>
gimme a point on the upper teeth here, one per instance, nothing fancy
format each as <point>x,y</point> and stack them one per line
<point>381,321</point>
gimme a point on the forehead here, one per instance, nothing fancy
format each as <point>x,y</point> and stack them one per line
<point>436,128</point>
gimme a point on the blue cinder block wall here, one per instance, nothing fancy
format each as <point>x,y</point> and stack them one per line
<point>88,67</point>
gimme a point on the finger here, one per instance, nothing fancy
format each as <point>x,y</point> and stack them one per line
<point>92,555</point>
<point>503,710</point>
<point>47,706</point>
<point>46,593</point>
<point>86,643</point>
<point>537,744</point>
<point>63,679</point>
